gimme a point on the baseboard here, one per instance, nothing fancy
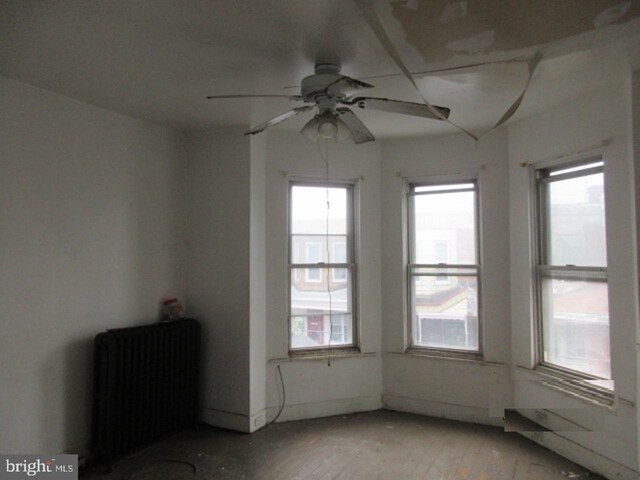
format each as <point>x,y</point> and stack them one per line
<point>257,420</point>
<point>237,422</point>
<point>589,459</point>
<point>340,406</point>
<point>431,408</point>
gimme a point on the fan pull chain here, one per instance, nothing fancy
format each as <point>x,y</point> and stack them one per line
<point>326,151</point>
<point>325,158</point>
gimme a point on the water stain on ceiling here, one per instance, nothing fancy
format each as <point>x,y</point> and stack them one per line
<point>441,29</point>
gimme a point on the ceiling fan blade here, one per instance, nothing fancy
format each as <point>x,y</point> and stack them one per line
<point>279,119</point>
<point>359,133</point>
<point>399,106</point>
<point>347,86</point>
<point>289,97</point>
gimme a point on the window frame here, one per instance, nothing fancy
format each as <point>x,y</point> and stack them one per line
<point>542,176</point>
<point>410,186</point>
<point>351,265</point>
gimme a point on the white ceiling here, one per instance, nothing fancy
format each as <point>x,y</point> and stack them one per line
<point>158,59</point>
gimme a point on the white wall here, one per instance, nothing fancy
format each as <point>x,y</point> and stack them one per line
<point>465,390</point>
<point>226,287</point>
<point>579,126</point>
<point>635,145</point>
<point>312,387</point>
<point>258,282</point>
<point>218,272</point>
<point>91,238</point>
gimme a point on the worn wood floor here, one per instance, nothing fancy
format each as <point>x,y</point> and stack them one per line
<point>372,446</point>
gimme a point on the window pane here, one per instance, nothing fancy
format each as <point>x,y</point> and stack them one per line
<point>313,275</point>
<point>576,221</point>
<point>338,250</point>
<point>313,249</point>
<point>309,209</point>
<point>313,252</point>
<point>340,330</point>
<point>444,227</point>
<point>445,312</point>
<point>311,302</point>
<point>339,274</point>
<point>575,325</point>
<point>321,331</point>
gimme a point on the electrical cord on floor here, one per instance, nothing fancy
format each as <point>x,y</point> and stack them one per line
<point>284,399</point>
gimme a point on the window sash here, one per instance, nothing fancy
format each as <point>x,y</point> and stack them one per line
<point>350,265</point>
<point>444,265</point>
<point>416,319</point>
<point>543,269</point>
<point>442,187</point>
<point>567,272</point>
<point>411,194</point>
<point>564,327</point>
<point>544,178</point>
<point>451,269</point>
<point>321,265</point>
<point>343,311</point>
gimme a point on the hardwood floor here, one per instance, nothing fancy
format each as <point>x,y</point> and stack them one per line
<point>378,445</point>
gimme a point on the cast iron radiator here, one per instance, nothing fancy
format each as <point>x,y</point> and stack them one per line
<point>145,385</point>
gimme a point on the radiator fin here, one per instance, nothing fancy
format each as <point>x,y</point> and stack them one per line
<point>145,385</point>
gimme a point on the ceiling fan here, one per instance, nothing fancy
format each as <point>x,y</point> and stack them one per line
<point>331,94</point>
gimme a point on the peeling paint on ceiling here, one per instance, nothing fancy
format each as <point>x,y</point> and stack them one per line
<point>159,60</point>
<point>440,29</point>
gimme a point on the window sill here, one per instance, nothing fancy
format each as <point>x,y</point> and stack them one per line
<point>574,386</point>
<point>468,357</point>
<point>323,355</point>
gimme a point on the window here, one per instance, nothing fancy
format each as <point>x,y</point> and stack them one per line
<point>321,283</point>
<point>571,271</point>
<point>295,251</point>
<point>339,255</point>
<point>443,269</point>
<point>339,329</point>
<point>442,257</point>
<point>313,255</point>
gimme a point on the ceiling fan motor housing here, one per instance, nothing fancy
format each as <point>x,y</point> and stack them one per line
<point>314,87</point>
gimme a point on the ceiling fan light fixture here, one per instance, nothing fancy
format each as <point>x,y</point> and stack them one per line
<point>310,130</point>
<point>328,127</point>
